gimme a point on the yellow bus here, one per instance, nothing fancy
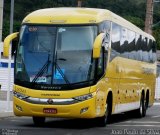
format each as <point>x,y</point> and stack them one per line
<point>81,63</point>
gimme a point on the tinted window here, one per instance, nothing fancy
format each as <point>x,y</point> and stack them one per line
<point>104,27</point>
<point>115,42</point>
<point>145,53</point>
<point>131,44</point>
<point>154,51</point>
<point>138,47</point>
<point>150,43</point>
<point>124,42</point>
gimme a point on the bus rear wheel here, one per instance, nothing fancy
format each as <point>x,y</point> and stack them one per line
<point>38,121</point>
<point>141,112</point>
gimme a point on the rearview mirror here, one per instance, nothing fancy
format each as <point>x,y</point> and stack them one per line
<point>7,42</point>
<point>97,45</point>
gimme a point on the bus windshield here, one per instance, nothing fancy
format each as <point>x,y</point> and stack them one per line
<point>55,55</point>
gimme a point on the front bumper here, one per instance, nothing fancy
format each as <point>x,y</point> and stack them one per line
<point>23,108</point>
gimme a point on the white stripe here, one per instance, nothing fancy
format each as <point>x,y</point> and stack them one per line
<point>156,103</point>
<point>155,116</point>
<point>119,108</point>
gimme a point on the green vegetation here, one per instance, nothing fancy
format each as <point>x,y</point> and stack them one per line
<point>132,10</point>
<point>156,33</point>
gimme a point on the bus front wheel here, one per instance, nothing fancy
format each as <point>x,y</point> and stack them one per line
<point>102,121</point>
<point>38,121</point>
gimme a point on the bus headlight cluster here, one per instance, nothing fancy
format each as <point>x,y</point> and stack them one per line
<point>20,95</point>
<point>83,97</point>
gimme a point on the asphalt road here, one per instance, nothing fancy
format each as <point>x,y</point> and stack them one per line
<point>122,124</point>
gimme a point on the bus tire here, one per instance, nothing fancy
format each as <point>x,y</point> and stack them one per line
<point>38,121</point>
<point>147,100</point>
<point>104,120</point>
<point>141,112</point>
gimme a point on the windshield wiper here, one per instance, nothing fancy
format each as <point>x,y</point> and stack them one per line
<point>42,70</point>
<point>62,74</point>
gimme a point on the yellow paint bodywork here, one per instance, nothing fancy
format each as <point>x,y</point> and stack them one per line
<point>98,45</point>
<point>66,16</point>
<point>7,42</point>
<point>64,111</point>
<point>127,79</point>
<point>67,111</point>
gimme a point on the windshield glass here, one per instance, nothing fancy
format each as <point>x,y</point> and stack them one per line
<point>55,55</point>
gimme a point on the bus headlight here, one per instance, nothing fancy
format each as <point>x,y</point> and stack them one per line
<point>83,97</point>
<point>20,95</point>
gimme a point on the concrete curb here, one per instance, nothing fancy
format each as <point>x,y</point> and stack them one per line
<point>6,114</point>
<point>3,109</point>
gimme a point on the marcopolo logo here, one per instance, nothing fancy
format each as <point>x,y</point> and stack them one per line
<point>50,101</point>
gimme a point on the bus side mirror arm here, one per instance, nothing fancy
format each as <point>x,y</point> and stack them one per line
<point>7,42</point>
<point>97,45</point>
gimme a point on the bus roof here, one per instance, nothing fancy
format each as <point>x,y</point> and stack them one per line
<point>67,16</point>
<point>78,16</point>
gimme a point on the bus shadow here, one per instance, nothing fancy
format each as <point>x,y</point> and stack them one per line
<point>83,123</point>
<point>118,118</point>
<point>64,123</point>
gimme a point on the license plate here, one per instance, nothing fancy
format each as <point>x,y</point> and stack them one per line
<point>50,110</point>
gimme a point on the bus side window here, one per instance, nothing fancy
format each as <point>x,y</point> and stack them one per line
<point>131,45</point>
<point>115,41</point>
<point>154,51</point>
<point>145,53</point>
<point>105,27</point>
<point>138,46</point>
<point>150,50</point>
<point>124,43</point>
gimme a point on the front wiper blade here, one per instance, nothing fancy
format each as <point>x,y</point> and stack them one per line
<point>41,71</point>
<point>62,74</point>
